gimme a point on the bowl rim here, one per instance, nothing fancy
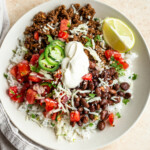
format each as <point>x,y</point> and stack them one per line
<point>137,30</point>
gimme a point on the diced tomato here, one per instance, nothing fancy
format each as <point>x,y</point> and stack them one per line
<point>124,63</point>
<point>14,71</point>
<point>30,96</point>
<point>87,77</point>
<point>63,34</point>
<point>74,116</point>
<point>36,35</point>
<point>34,59</point>
<point>33,76</point>
<point>109,53</point>
<point>111,119</point>
<point>18,98</point>
<point>12,91</point>
<point>23,68</point>
<point>58,74</point>
<point>19,78</point>
<point>25,87</point>
<point>50,104</point>
<point>53,116</point>
<point>41,51</point>
<point>64,25</point>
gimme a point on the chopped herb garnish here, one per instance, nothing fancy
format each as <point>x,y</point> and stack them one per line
<point>12,92</point>
<point>14,51</point>
<point>125,101</point>
<point>118,115</point>
<point>91,124</point>
<point>88,43</point>
<point>63,134</point>
<point>97,38</point>
<point>74,140</point>
<point>92,95</point>
<point>84,128</point>
<point>117,66</point>
<point>5,75</point>
<point>33,115</point>
<point>53,124</point>
<point>35,69</point>
<point>18,96</point>
<point>30,105</point>
<point>96,19</point>
<point>50,39</point>
<point>134,76</point>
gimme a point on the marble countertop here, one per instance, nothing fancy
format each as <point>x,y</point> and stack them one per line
<point>138,11</point>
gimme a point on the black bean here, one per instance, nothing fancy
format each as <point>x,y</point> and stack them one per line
<point>105,95</point>
<point>104,114</point>
<point>91,85</point>
<point>110,82</point>
<point>92,108</point>
<point>85,111</point>
<point>103,102</point>
<point>116,87</point>
<point>110,102</point>
<point>83,95</point>
<point>116,75</point>
<point>113,92</point>
<point>77,99</point>
<point>77,103</point>
<point>127,95</point>
<point>80,123</point>
<point>117,100</point>
<point>95,82</point>
<point>98,91</point>
<point>72,124</point>
<point>104,107</point>
<point>84,103</point>
<point>124,86</point>
<point>97,106</point>
<point>91,116</point>
<point>120,93</point>
<point>85,119</point>
<point>101,125</point>
<point>80,109</point>
<point>85,85</point>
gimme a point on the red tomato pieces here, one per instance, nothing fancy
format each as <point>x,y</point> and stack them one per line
<point>12,91</point>
<point>87,77</point>
<point>64,24</point>
<point>50,104</point>
<point>117,56</point>
<point>58,74</point>
<point>74,116</point>
<point>36,35</point>
<point>14,71</point>
<point>63,35</point>
<point>23,68</point>
<point>30,96</point>
<point>53,116</point>
<point>34,77</point>
<point>34,59</point>
<point>111,119</point>
<point>13,94</point>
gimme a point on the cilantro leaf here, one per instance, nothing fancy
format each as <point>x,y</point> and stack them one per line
<point>125,101</point>
<point>33,115</point>
<point>88,43</point>
<point>50,39</point>
<point>30,105</point>
<point>91,124</point>
<point>96,19</point>
<point>18,96</point>
<point>53,124</point>
<point>14,51</point>
<point>12,92</point>
<point>97,38</point>
<point>118,115</point>
<point>34,68</point>
<point>92,95</point>
<point>5,75</point>
<point>134,76</point>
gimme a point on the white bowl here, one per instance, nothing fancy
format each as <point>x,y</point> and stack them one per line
<point>130,113</point>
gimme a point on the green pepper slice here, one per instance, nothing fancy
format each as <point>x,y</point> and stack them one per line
<point>45,65</point>
<point>54,53</point>
<point>59,43</point>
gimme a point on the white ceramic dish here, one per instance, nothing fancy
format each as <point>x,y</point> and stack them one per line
<point>130,113</point>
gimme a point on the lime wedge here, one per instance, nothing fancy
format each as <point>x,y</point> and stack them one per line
<point>118,35</point>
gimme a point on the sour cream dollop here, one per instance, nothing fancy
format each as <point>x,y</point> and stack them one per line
<point>75,65</point>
